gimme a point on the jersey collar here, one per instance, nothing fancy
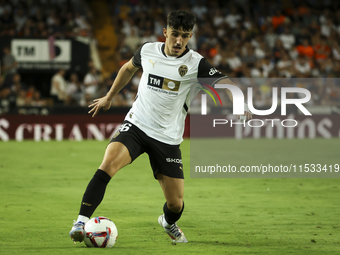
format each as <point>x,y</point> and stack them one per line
<point>184,52</point>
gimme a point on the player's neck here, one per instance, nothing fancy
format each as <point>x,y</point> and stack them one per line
<point>167,51</point>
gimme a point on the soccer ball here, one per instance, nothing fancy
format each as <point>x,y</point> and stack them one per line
<point>100,232</point>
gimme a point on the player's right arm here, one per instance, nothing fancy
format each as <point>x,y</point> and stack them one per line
<point>124,75</point>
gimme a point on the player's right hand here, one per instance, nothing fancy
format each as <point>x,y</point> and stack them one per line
<point>103,102</point>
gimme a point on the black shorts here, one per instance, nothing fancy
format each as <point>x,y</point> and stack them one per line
<point>164,158</point>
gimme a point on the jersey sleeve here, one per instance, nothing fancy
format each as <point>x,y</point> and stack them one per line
<point>208,72</point>
<point>137,57</point>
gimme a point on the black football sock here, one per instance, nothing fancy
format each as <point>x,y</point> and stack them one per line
<point>170,216</point>
<point>94,193</point>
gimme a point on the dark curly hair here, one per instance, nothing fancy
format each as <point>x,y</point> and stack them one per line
<point>181,19</point>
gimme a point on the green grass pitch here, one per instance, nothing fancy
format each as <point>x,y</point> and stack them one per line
<point>41,185</point>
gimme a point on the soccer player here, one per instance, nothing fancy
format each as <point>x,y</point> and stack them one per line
<point>155,123</point>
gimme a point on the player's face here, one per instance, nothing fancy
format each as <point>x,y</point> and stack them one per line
<point>176,40</point>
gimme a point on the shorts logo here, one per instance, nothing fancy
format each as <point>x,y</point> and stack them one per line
<point>174,160</point>
<point>182,70</point>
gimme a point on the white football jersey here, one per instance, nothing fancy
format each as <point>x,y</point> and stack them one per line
<point>163,97</point>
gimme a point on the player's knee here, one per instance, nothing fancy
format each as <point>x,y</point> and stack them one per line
<point>175,206</point>
<point>110,167</point>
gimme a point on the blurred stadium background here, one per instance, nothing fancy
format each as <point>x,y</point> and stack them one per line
<point>57,55</point>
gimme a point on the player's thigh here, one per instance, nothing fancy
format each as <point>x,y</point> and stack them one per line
<point>165,159</point>
<point>173,189</point>
<point>116,157</point>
